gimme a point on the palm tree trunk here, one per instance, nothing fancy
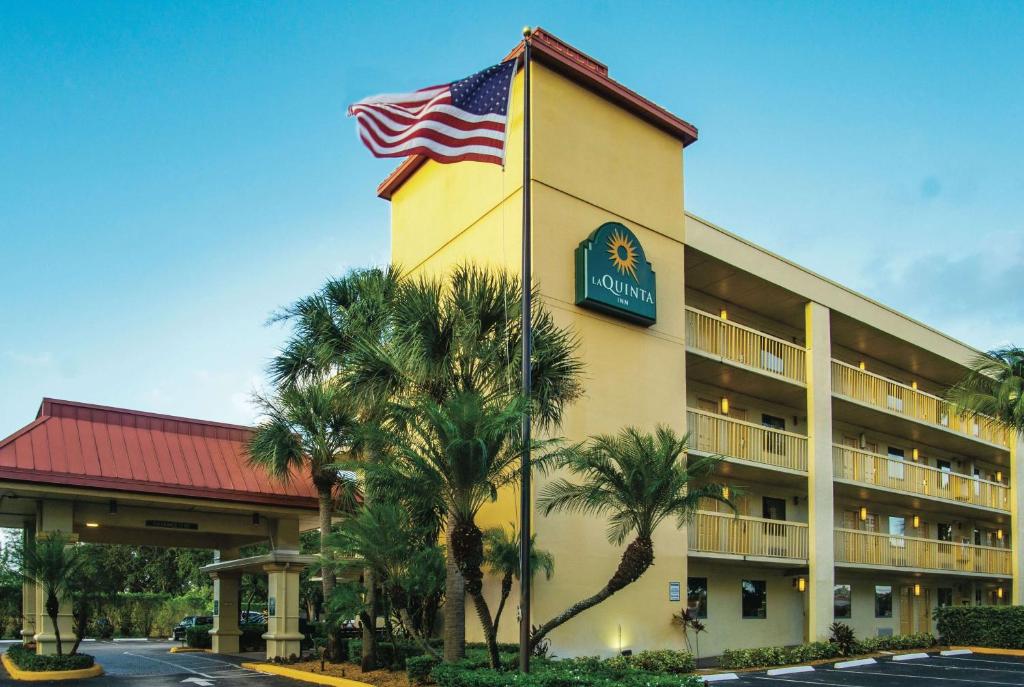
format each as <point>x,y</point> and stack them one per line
<point>484,614</point>
<point>454,603</point>
<point>326,504</point>
<point>406,618</point>
<point>468,549</point>
<point>635,561</point>
<point>506,589</point>
<point>53,610</point>
<point>368,657</point>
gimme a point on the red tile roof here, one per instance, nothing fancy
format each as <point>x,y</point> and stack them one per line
<point>83,445</point>
<point>574,64</point>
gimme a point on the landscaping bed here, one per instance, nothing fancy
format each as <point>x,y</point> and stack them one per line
<point>822,652</point>
<point>29,661</point>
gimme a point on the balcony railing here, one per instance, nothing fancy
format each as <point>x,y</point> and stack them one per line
<point>891,551</point>
<point>901,399</point>
<point>712,433</point>
<point>877,470</point>
<point>744,346</point>
<point>744,536</point>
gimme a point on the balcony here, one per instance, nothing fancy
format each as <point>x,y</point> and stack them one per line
<point>723,535</point>
<point>875,470</point>
<point>871,549</point>
<point>744,347</point>
<point>875,391</point>
<point>746,441</point>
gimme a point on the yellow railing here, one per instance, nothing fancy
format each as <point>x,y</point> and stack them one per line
<point>744,346</point>
<point>741,535</point>
<point>881,471</point>
<point>901,399</point>
<point>712,433</point>
<point>890,551</point>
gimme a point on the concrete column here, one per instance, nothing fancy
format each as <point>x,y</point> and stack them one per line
<point>283,636</point>
<point>28,591</point>
<point>53,516</point>
<point>1016,474</point>
<point>821,580</point>
<point>284,535</point>
<point>225,632</point>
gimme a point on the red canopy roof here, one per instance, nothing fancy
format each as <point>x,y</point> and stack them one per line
<point>83,445</point>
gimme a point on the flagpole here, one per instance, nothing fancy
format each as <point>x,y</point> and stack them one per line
<point>525,500</point>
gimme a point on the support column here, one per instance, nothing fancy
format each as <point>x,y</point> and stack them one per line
<point>1016,513</point>
<point>54,516</point>
<point>225,632</point>
<point>819,473</point>
<point>28,591</point>
<point>283,636</point>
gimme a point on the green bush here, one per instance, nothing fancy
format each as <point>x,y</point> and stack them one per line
<point>252,637</point>
<point>922,640</point>
<point>843,637</point>
<point>568,673</point>
<point>767,657</point>
<point>29,660</point>
<point>198,636</point>
<point>418,668</point>
<point>995,626</point>
<point>657,661</point>
<point>389,655</point>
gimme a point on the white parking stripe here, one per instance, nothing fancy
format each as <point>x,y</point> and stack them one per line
<point>175,665</point>
<point>935,677</point>
<point>973,669</point>
<point>985,660</point>
<point>806,682</point>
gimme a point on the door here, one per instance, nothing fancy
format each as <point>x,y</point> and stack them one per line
<point>775,535</point>
<point>774,443</point>
<point>942,479</point>
<point>705,430</point>
<point>915,611</point>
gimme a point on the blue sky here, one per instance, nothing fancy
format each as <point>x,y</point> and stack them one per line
<point>172,172</point>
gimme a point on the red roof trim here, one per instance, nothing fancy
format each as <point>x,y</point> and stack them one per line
<point>583,69</point>
<point>46,408</point>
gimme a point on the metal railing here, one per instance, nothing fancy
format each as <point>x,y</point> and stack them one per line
<point>723,435</point>
<point>746,536</point>
<point>897,551</point>
<point>874,469</point>
<point>894,397</point>
<point>744,346</point>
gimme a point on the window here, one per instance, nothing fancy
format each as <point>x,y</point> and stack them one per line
<point>945,467</point>
<point>897,527</point>
<point>755,599</point>
<point>896,456</point>
<point>697,596</point>
<point>771,362</point>
<point>773,443</point>
<point>842,600</point>
<point>945,596</point>
<point>894,399</point>
<point>773,509</point>
<point>883,601</point>
<point>945,531</point>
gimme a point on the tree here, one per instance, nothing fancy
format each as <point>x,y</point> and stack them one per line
<point>450,364</point>
<point>52,562</point>
<point>638,480</point>
<point>993,388</point>
<point>501,555</point>
<point>90,591</point>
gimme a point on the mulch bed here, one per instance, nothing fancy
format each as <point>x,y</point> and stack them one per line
<point>377,678</point>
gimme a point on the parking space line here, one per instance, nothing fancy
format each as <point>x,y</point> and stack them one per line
<point>169,663</point>
<point>973,669</point>
<point>807,682</point>
<point>985,660</point>
<point>934,677</point>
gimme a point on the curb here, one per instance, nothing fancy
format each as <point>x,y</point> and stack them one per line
<point>855,663</point>
<point>992,651</point>
<point>45,675</point>
<point>718,677</point>
<point>188,650</point>
<point>956,652</point>
<point>302,675</point>
<point>910,657</point>
<point>786,671</point>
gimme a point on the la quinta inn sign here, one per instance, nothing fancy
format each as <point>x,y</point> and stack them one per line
<point>614,277</point>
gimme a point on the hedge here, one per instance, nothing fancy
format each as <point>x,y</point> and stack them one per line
<point>995,626</point>
<point>816,651</point>
<point>198,636</point>
<point>31,661</point>
<point>567,673</point>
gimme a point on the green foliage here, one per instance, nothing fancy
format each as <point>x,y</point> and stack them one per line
<point>766,657</point>
<point>995,626</point>
<point>28,660</point>
<point>418,668</point>
<point>173,609</point>
<point>659,661</point>
<point>843,637</point>
<point>569,673</point>
<point>922,640</point>
<point>198,636</point>
<point>993,389</point>
<point>143,608</point>
<point>391,655</point>
<point>252,637</point>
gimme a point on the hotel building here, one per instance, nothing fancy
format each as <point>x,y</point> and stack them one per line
<point>861,495</point>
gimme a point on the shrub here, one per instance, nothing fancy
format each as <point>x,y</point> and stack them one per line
<point>568,673</point>
<point>817,651</point>
<point>896,643</point>
<point>995,626</point>
<point>843,637</point>
<point>198,636</point>
<point>388,655</point>
<point>658,661</point>
<point>30,661</point>
<point>418,668</point>
<point>252,637</point>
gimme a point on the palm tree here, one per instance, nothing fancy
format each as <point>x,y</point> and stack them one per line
<point>501,555</point>
<point>451,366</point>
<point>993,389</point>
<point>637,480</point>
<point>308,428</point>
<point>52,563</point>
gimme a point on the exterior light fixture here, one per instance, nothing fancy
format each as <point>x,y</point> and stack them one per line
<point>916,455</point>
<point>999,534</point>
<point>862,365</point>
<point>801,584</point>
<point>999,475</point>
<point>255,518</point>
<point>863,513</point>
<point>917,589</point>
<point>999,592</point>
<point>92,524</point>
<point>724,314</point>
<point>917,521</point>
<point>725,406</point>
<point>913,385</point>
<point>725,492</point>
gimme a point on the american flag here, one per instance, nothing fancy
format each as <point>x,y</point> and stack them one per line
<point>461,120</point>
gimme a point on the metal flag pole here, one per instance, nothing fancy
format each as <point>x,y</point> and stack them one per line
<point>525,501</point>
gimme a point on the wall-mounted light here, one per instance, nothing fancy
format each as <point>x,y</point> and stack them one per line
<point>999,475</point>
<point>724,314</point>
<point>724,405</point>
<point>999,534</point>
<point>916,454</point>
<point>801,584</point>
<point>863,513</point>
<point>917,521</point>
<point>255,518</point>
<point>999,592</point>
<point>862,439</point>
<point>862,365</point>
<point>725,493</point>
<point>913,385</point>
<point>917,589</point>
<point>92,524</point>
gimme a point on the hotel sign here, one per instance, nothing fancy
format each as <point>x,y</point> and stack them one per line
<point>614,277</point>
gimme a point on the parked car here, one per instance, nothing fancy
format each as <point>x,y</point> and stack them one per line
<point>190,621</point>
<point>252,618</point>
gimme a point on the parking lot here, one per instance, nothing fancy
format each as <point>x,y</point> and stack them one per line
<point>933,671</point>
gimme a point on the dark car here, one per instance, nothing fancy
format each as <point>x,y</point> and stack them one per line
<point>190,621</point>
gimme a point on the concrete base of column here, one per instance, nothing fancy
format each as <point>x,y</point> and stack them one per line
<point>225,641</point>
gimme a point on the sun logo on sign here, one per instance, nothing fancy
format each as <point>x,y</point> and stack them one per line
<point>622,252</point>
